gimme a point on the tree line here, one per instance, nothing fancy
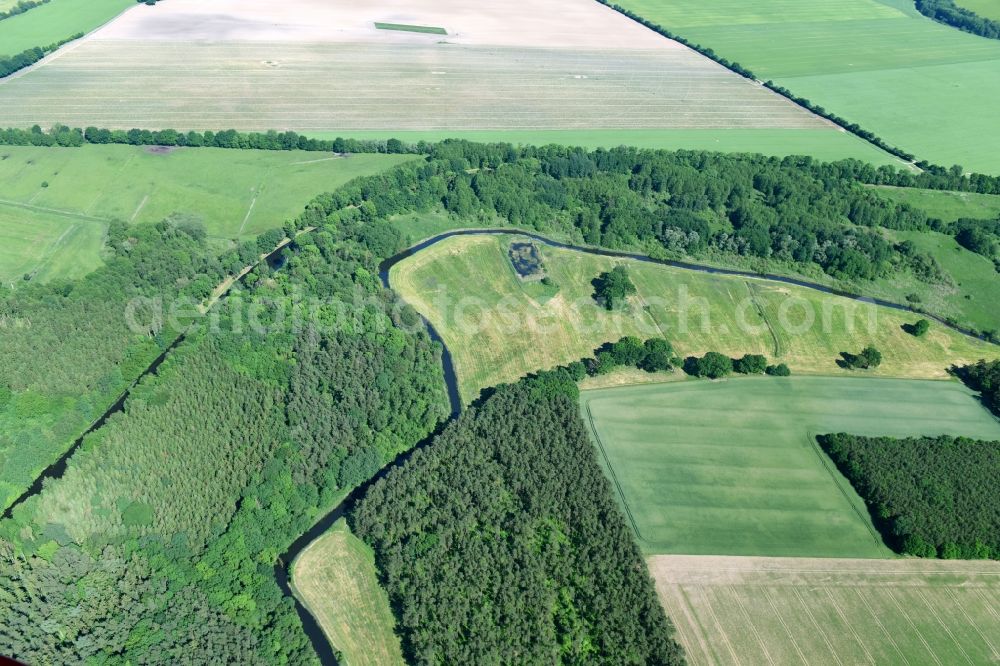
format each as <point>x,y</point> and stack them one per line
<point>21,7</point>
<point>28,57</point>
<point>501,542</point>
<point>930,496</point>
<point>946,11</point>
<point>984,377</point>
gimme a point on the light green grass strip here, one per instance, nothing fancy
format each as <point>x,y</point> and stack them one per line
<point>402,27</point>
<point>732,468</point>
<point>56,21</point>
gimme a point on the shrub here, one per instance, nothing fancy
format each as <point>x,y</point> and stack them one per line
<point>779,370</point>
<point>750,364</point>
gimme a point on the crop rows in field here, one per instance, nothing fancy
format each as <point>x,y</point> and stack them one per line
<point>400,86</point>
<point>754,610</point>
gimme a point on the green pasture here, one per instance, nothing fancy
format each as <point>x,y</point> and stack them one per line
<point>56,203</point>
<point>404,27</point>
<point>946,205</point>
<point>926,87</point>
<point>986,8</point>
<point>499,327</point>
<point>823,144</point>
<point>56,21</point>
<point>731,467</point>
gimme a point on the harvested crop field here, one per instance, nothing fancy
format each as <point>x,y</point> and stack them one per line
<point>312,66</point>
<point>756,610</point>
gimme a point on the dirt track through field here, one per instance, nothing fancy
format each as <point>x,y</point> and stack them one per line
<point>731,610</point>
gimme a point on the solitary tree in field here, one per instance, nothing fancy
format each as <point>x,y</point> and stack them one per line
<point>918,329</point>
<point>613,287</point>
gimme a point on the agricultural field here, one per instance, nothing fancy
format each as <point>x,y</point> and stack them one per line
<point>55,21</point>
<point>732,467</point>
<point>56,203</point>
<point>946,205</point>
<point>498,327</point>
<point>986,8</point>
<point>255,66</point>
<point>926,87</point>
<point>336,579</point>
<point>756,610</point>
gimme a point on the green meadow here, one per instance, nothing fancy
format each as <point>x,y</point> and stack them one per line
<point>56,203</point>
<point>986,8</point>
<point>946,205</point>
<point>499,327</point>
<point>731,467</point>
<point>926,87</point>
<point>55,21</point>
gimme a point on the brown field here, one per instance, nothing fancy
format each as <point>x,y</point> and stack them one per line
<point>312,66</point>
<point>759,610</point>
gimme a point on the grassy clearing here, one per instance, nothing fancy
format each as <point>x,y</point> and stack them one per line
<point>55,21</point>
<point>337,580</point>
<point>753,610</point>
<point>986,8</point>
<point>732,468</point>
<point>56,203</point>
<point>918,84</point>
<point>403,27</point>
<point>977,279</point>
<point>498,327</point>
<point>948,206</point>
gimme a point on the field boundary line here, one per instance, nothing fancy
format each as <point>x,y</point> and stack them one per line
<point>972,623</point>
<point>920,636</point>
<point>865,520</point>
<point>812,618</point>
<point>871,612</point>
<point>784,625</point>
<point>611,470</point>
<point>937,618</point>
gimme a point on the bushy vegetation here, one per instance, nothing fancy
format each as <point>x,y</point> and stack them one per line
<point>933,497</point>
<point>867,359</point>
<point>984,377</point>
<point>612,288</point>
<point>946,11</point>
<point>714,365</point>
<point>501,543</point>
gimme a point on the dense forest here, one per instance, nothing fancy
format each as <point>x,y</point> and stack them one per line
<point>158,542</point>
<point>501,543</point>
<point>946,11</point>
<point>67,350</point>
<point>931,497</point>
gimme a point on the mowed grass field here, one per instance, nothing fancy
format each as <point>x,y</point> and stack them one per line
<point>921,85</point>
<point>335,577</point>
<point>756,610</point>
<point>946,205</point>
<point>986,8</point>
<point>56,203</point>
<point>732,468</point>
<point>56,21</point>
<point>498,327</point>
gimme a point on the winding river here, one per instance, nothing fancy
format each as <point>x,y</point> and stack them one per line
<point>276,259</point>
